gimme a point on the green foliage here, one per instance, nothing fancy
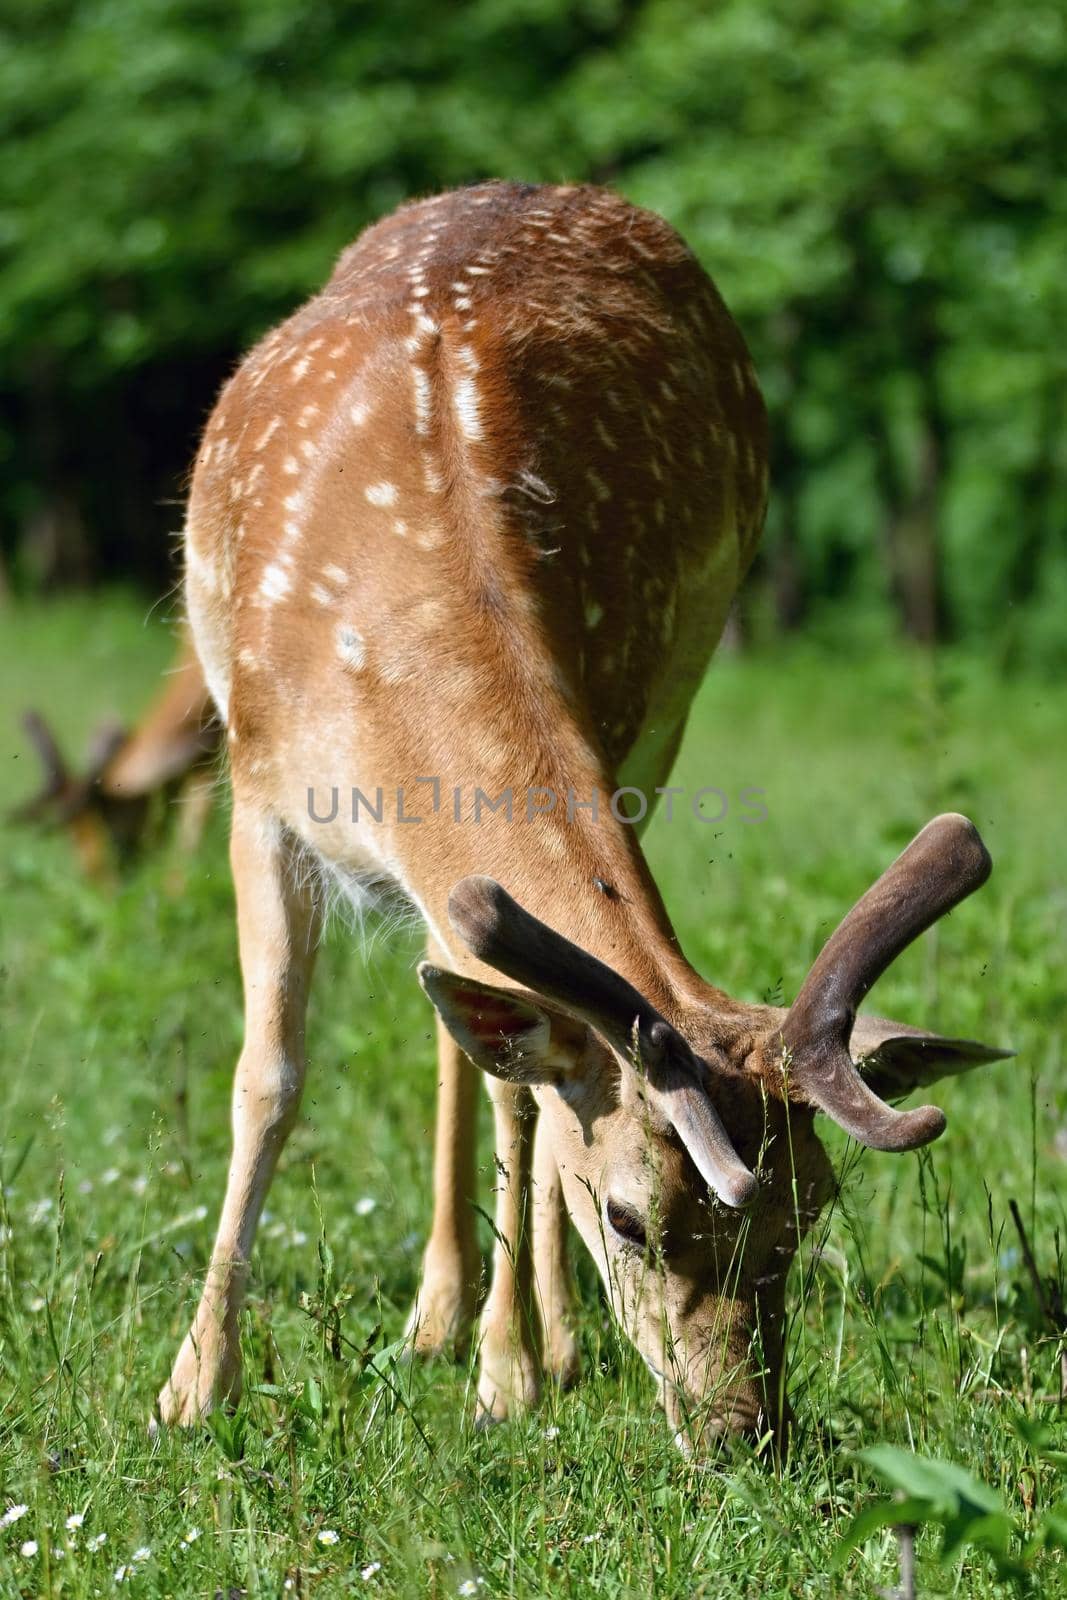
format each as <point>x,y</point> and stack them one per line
<point>877,188</point>
<point>941,1494</point>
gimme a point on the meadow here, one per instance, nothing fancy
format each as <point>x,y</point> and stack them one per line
<point>918,1333</point>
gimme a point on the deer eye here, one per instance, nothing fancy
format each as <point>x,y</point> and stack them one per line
<point>627,1224</point>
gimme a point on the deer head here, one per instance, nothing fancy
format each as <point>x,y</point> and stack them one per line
<point>679,1139</point>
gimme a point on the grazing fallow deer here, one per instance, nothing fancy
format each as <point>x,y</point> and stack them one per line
<point>172,749</point>
<point>471,521</point>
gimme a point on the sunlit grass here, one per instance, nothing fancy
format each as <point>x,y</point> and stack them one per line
<point>914,1319</point>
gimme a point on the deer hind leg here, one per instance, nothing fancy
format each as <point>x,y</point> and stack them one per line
<point>554,1285</point>
<point>509,1364</point>
<point>277,934</point>
<point>443,1314</point>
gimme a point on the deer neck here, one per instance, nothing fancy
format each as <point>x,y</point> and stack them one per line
<point>524,795</point>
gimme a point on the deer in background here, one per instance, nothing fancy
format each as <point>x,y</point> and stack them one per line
<point>476,514</point>
<point>172,751</point>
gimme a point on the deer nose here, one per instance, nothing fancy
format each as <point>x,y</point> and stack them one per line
<point>710,1428</point>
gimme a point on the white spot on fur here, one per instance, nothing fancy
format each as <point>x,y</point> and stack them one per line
<point>275,582</point>
<point>400,528</point>
<point>268,434</point>
<point>291,466</point>
<point>465,397</point>
<point>335,574</point>
<point>359,413</point>
<point>305,418</point>
<point>321,596</point>
<point>381,494</point>
<point>421,380</point>
<point>299,369</point>
<point>350,647</point>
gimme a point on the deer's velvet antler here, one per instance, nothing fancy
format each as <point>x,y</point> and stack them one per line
<point>941,866</point>
<point>504,936</point>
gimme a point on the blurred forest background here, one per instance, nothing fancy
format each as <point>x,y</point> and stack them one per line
<point>879,190</point>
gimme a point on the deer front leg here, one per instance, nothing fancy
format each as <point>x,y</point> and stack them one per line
<point>509,1365</point>
<point>277,935</point>
<point>443,1313</point>
<point>552,1275</point>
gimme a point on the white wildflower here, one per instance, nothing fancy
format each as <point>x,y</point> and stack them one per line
<point>97,1542</point>
<point>29,1548</point>
<point>367,1572</point>
<point>12,1514</point>
<point>122,1573</point>
<point>328,1536</point>
<point>142,1553</point>
<point>190,1536</point>
<point>551,1433</point>
<point>39,1212</point>
<point>112,1175</point>
<point>74,1521</point>
<point>298,1237</point>
<point>365,1205</point>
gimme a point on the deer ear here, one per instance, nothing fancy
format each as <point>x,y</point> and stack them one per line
<point>895,1059</point>
<point>506,1034</point>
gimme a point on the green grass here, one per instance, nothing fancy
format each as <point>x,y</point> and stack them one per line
<point>120,1018</point>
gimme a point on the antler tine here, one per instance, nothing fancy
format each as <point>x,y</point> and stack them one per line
<point>499,932</point>
<point>941,866</point>
<point>107,740</point>
<point>45,743</point>
<point>56,776</point>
